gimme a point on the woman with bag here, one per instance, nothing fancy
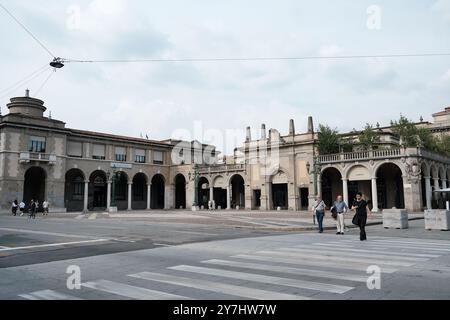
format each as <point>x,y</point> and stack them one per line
<point>360,218</point>
<point>15,205</point>
<point>318,209</point>
<point>340,208</point>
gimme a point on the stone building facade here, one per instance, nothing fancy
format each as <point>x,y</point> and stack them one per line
<point>79,170</point>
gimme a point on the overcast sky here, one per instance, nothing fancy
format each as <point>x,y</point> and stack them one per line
<point>163,99</point>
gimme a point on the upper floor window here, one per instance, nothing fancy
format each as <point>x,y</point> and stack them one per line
<point>139,156</point>
<point>37,144</point>
<point>121,154</point>
<point>158,157</point>
<point>98,152</point>
<point>74,149</point>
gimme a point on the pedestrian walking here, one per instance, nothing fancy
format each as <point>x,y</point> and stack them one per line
<point>360,219</point>
<point>318,209</point>
<point>341,208</point>
<point>22,206</point>
<point>14,207</point>
<point>32,209</point>
<point>45,206</point>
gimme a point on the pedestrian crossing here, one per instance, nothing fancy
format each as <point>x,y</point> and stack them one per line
<point>283,272</point>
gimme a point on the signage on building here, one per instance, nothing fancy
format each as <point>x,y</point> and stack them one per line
<point>121,165</point>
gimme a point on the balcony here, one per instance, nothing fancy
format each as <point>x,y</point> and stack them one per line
<point>27,157</point>
<point>382,154</point>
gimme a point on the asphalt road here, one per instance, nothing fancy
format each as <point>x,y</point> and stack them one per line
<point>144,259</point>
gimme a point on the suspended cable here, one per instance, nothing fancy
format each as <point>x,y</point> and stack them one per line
<point>45,66</point>
<point>28,80</point>
<point>26,30</point>
<point>261,58</point>
<point>45,82</point>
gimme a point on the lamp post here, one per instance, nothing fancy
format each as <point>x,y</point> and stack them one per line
<point>195,177</point>
<point>316,168</point>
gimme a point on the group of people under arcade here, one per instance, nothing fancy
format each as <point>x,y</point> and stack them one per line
<point>32,208</point>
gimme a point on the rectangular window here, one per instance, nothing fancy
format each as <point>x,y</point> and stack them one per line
<point>37,144</point>
<point>158,157</point>
<point>139,156</point>
<point>75,149</point>
<point>98,152</point>
<point>121,154</point>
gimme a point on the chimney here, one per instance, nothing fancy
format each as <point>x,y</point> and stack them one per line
<point>27,93</point>
<point>291,127</point>
<point>249,135</point>
<point>263,132</point>
<point>310,125</point>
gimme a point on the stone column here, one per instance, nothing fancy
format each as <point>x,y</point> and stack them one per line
<point>345,191</point>
<point>319,185</point>
<point>374,195</point>
<point>86,196</point>
<point>211,193</point>
<point>130,188</point>
<point>444,184</point>
<point>428,193</point>
<point>228,197</point>
<point>436,187</point>
<point>108,196</point>
<point>292,199</point>
<point>149,192</point>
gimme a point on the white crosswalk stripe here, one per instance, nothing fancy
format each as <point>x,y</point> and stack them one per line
<point>345,248</point>
<point>288,270</point>
<point>219,287</point>
<point>325,264</point>
<point>47,295</point>
<point>352,254</point>
<point>302,284</point>
<point>379,245</point>
<point>336,258</point>
<point>130,291</point>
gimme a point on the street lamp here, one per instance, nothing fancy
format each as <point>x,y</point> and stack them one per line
<point>195,177</point>
<point>315,171</point>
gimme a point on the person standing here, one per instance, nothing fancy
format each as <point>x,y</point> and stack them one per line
<point>32,210</point>
<point>45,206</point>
<point>22,206</point>
<point>362,210</point>
<point>14,207</point>
<point>341,208</point>
<point>318,209</point>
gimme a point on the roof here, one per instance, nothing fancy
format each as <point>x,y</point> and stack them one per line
<point>442,113</point>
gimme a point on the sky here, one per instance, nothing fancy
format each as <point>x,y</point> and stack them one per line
<point>215,101</point>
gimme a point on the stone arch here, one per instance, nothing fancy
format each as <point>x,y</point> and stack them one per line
<point>97,190</point>
<point>331,184</point>
<point>180,191</point>
<point>121,190</point>
<point>237,185</point>
<point>139,191</point>
<point>220,183</point>
<point>35,185</point>
<point>203,191</point>
<point>346,173</point>
<point>399,164</point>
<point>390,189</point>
<point>74,190</point>
<point>158,192</point>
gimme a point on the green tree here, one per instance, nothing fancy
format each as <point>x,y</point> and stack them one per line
<point>443,145</point>
<point>368,137</point>
<point>329,140</point>
<point>406,130</point>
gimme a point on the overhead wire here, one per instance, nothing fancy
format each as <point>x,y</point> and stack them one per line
<point>27,30</point>
<point>24,81</point>
<point>45,82</point>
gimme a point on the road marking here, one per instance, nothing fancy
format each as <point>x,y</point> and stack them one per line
<point>330,253</point>
<point>336,258</point>
<point>54,245</point>
<point>132,292</point>
<point>163,245</point>
<point>49,233</point>
<point>239,291</point>
<point>336,264</point>
<point>48,295</point>
<point>403,246</point>
<point>299,271</point>
<point>415,243</point>
<point>311,285</point>
<point>1,247</point>
<point>194,232</point>
<point>339,247</point>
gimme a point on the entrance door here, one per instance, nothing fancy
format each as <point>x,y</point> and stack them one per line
<point>257,198</point>
<point>280,195</point>
<point>304,194</point>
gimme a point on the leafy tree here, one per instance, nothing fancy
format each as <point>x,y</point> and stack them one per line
<point>406,130</point>
<point>329,140</point>
<point>443,145</point>
<point>368,137</point>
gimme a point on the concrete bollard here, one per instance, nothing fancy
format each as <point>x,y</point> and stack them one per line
<point>395,219</point>
<point>237,207</point>
<point>437,220</point>
<point>278,208</point>
<point>219,207</point>
<point>203,208</point>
